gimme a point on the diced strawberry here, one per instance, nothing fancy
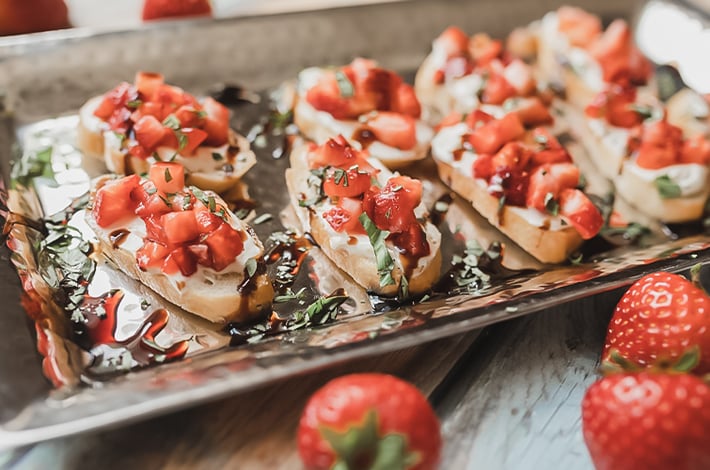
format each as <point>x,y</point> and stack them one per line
<point>151,108</point>
<point>392,207</point>
<point>149,132</point>
<point>477,118</point>
<point>579,211</point>
<point>225,245</point>
<point>547,180</point>
<point>515,182</point>
<point>193,138</point>
<point>113,202</point>
<point>207,221</point>
<point>405,101</point>
<point>350,182</point>
<point>616,105</point>
<point>115,99</point>
<point>513,155</point>
<point>617,220</point>
<point>215,110</point>
<point>217,132</point>
<point>483,166</point>
<point>151,255</point>
<point>490,137</point>
<point>148,82</point>
<point>325,96</point>
<point>180,227</point>
<point>171,95</point>
<point>660,145</point>
<point>168,177</point>
<point>180,259</point>
<point>377,90</point>
<point>190,116</point>
<point>453,40</point>
<point>201,253</point>
<point>154,229</point>
<point>353,207</point>
<point>150,202</point>
<point>580,27</point>
<point>483,49</point>
<point>337,217</point>
<point>621,62</point>
<point>456,67</point>
<point>550,149</point>
<point>533,112</point>
<point>497,90</point>
<point>696,150</point>
<point>396,130</point>
<point>520,75</point>
<point>412,242</point>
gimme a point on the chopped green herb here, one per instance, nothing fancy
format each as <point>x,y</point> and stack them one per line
<point>265,217</point>
<point>631,232</point>
<point>646,112</point>
<point>168,176</point>
<point>340,175</point>
<point>667,188</point>
<point>201,114</point>
<point>145,304</point>
<point>290,295</point>
<point>33,165</point>
<point>165,200</point>
<point>172,122</point>
<point>250,267</point>
<point>211,203</point>
<point>345,86</point>
<point>133,104</point>
<point>575,258</point>
<point>320,312</point>
<point>182,139</point>
<point>551,205</point>
<point>403,287</point>
<point>541,139</point>
<point>217,156</point>
<point>501,204</point>
<point>385,263</point>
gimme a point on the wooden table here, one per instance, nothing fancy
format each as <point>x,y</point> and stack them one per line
<point>508,397</point>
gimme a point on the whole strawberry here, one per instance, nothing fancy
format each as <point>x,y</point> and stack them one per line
<point>157,9</point>
<point>659,319</point>
<point>648,421</point>
<point>368,421</point>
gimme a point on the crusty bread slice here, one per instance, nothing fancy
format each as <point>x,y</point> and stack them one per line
<point>436,101</point>
<point>548,246</point>
<point>643,194</point>
<point>212,175</point>
<point>90,142</point>
<point>356,256</point>
<point>211,295</point>
<point>320,126</point>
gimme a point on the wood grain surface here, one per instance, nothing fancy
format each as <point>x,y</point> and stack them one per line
<point>508,397</point>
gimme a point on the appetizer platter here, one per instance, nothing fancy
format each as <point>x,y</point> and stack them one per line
<point>184,231</point>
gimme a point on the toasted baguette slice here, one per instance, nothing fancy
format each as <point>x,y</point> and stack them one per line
<point>353,253</point>
<point>576,53</point>
<point>320,126</point>
<point>217,168</point>
<point>440,95</point>
<point>637,187</point>
<point>548,246</point>
<point>219,297</point>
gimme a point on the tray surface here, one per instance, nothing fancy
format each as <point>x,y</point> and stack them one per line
<point>31,410</point>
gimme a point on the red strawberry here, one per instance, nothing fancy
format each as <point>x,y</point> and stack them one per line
<point>363,421</point>
<point>659,318</point>
<point>156,9</point>
<point>647,421</point>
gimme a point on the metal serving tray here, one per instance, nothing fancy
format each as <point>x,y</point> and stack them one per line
<point>46,78</point>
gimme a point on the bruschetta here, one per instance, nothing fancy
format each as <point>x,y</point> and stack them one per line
<point>665,175</point>
<point>369,105</point>
<point>606,123</point>
<point>522,181</point>
<point>367,220</point>
<point>138,124</point>
<point>462,74</point>
<point>181,242</point>
<point>575,52</point>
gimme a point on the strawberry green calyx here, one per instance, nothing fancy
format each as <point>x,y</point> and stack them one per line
<point>617,363</point>
<point>360,447</point>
